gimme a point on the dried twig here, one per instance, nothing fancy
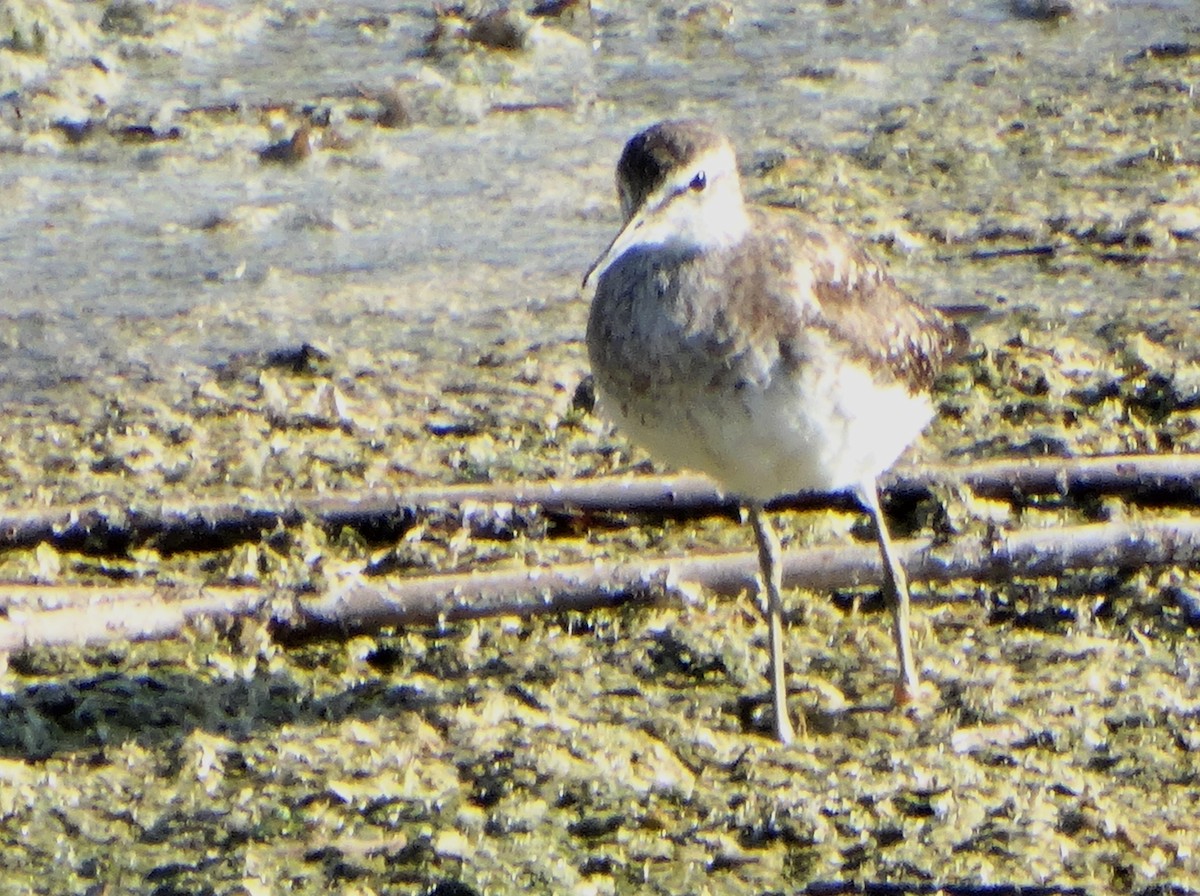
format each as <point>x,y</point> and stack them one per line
<point>92,616</point>
<point>98,615</point>
<point>1161,478</point>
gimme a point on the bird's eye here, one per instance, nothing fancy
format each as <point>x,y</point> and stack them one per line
<point>699,182</point>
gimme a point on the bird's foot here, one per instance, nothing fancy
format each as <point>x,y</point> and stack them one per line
<point>915,698</point>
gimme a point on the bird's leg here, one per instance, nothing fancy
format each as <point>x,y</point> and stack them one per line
<point>772,578</point>
<point>896,583</point>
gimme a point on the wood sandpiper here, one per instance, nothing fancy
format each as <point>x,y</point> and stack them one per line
<point>760,346</point>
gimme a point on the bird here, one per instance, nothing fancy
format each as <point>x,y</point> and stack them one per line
<point>761,346</point>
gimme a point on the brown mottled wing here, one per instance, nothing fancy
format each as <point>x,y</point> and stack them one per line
<point>852,296</point>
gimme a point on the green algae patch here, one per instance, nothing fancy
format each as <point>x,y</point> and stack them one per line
<point>629,750</point>
<point>615,750</point>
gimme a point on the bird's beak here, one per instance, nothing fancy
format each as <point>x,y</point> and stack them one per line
<point>622,241</point>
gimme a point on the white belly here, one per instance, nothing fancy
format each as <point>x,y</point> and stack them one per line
<point>829,427</point>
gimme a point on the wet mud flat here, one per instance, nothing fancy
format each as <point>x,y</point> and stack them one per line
<point>627,750</point>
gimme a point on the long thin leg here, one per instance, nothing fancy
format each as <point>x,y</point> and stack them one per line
<point>772,579</point>
<point>896,583</point>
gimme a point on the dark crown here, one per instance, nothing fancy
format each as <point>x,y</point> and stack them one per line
<point>651,155</point>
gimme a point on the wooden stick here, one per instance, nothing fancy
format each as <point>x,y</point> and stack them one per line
<point>89,615</point>
<point>1166,478</point>
<point>360,605</point>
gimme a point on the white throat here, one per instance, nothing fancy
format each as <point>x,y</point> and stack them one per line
<point>716,222</point>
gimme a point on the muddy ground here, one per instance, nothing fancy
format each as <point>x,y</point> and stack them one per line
<point>629,750</point>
